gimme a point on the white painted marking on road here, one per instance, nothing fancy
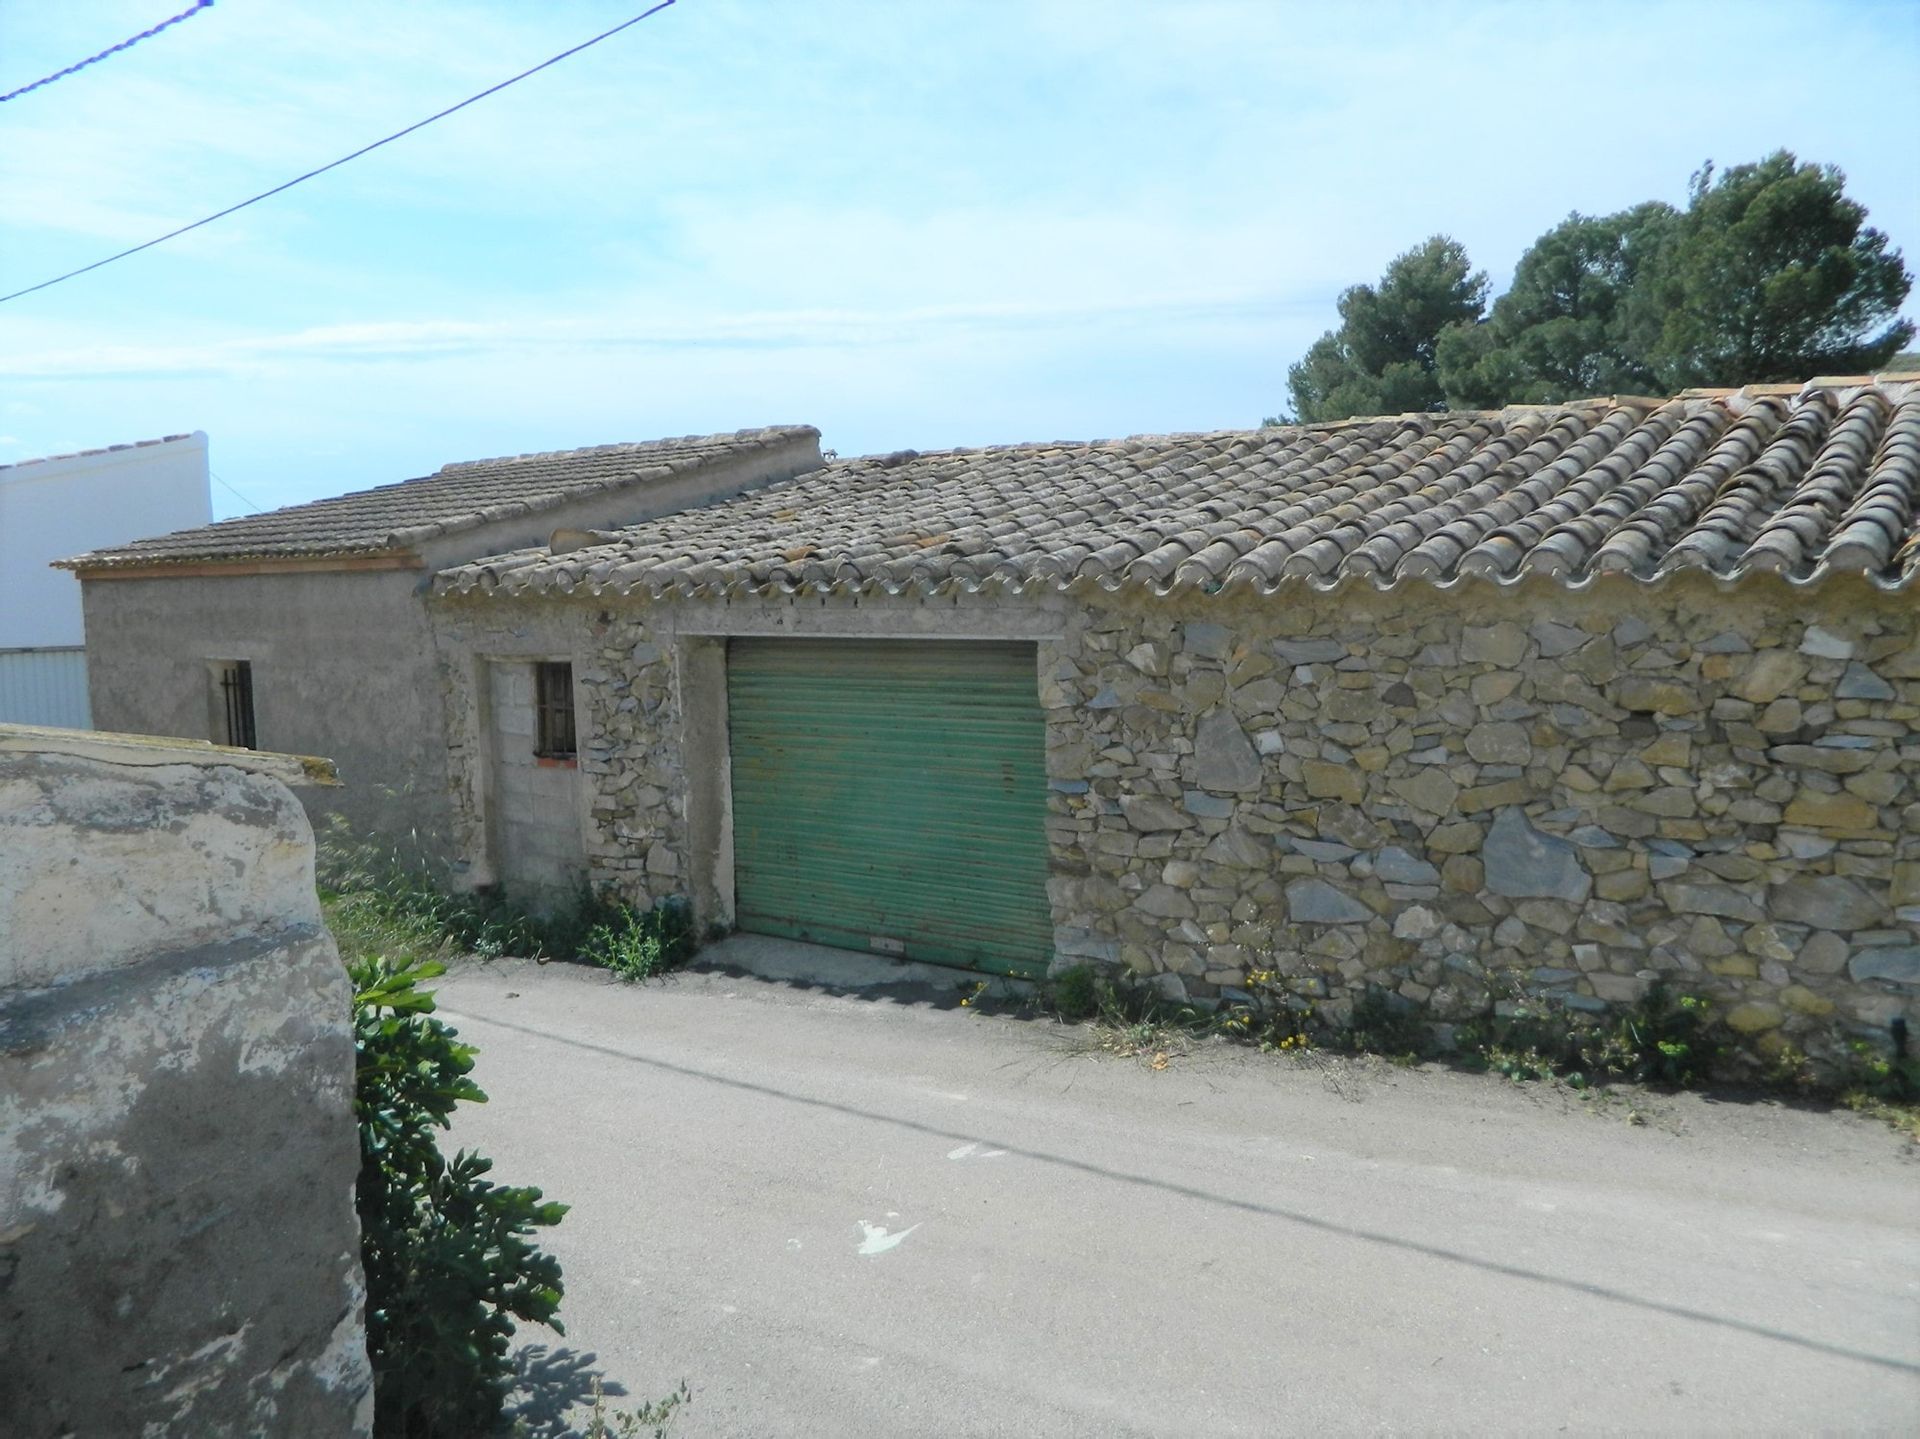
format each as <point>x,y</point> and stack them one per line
<point>878,1240</point>
<point>974,1151</point>
<point>793,1244</point>
<point>962,1152</point>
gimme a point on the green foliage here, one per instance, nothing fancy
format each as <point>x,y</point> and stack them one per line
<point>1866,1071</point>
<point>382,900</point>
<point>1571,325</point>
<point>650,1419</point>
<point>448,1257</point>
<point>638,944</point>
<point>1074,993</point>
<point>1770,273</point>
<point>1379,1025</point>
<point>1664,1039</point>
<point>1382,358</point>
<point>1774,274</point>
<point>1269,1017</point>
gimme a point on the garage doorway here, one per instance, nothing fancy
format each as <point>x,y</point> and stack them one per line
<point>890,796</point>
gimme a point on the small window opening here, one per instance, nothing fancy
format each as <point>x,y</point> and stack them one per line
<point>553,709</point>
<point>235,678</point>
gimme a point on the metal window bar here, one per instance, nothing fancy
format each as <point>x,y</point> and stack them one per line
<point>553,706</point>
<point>236,697</point>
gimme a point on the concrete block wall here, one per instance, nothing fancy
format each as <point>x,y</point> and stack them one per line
<point>539,822</point>
<point>179,1252</point>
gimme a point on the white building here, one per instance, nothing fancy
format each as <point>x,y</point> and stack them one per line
<point>66,505</point>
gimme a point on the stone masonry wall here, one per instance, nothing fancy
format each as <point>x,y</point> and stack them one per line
<point>1475,797</point>
<point>179,1252</point>
<point>1465,798</point>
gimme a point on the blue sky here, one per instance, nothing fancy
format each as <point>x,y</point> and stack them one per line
<point>912,224</point>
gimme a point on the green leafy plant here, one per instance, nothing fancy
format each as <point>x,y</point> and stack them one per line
<point>1665,1038</point>
<point>638,944</point>
<point>1074,993</point>
<point>1380,1026</point>
<point>650,1419</point>
<point>382,898</point>
<point>448,1254</point>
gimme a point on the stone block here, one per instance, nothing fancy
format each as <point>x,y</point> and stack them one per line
<point>1150,658</point>
<point>1309,652</point>
<point>1460,837</point>
<point>1523,862</point>
<point>1429,790</point>
<point>1222,757</point>
<point>1644,694</point>
<point>1770,674</point>
<point>1827,902</point>
<point>1394,865</point>
<point>1813,809</point>
<point>1206,806</point>
<point>1314,901</point>
<point>1861,683</point>
<point>1325,780</point>
<point>1481,798</point>
<point>1206,641</point>
<point>1823,644</point>
<point>1499,744</point>
<point>1501,644</point>
<point>1896,964</point>
<point>1163,901</point>
<point>1721,900</point>
<point>1148,813</point>
<point>1753,1018</point>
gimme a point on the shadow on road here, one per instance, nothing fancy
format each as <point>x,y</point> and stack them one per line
<point>548,1385</point>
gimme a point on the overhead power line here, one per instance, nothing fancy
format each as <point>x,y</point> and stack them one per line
<point>126,44</point>
<point>336,164</point>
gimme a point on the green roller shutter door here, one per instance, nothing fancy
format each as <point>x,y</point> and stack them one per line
<point>891,796</point>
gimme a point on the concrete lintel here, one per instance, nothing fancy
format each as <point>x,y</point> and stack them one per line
<point>141,749</point>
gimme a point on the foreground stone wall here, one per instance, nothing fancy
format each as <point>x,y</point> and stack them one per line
<point>1465,798</point>
<point>179,1252</point>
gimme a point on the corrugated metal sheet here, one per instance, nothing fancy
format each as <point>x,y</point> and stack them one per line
<point>45,687</point>
<point>891,796</point>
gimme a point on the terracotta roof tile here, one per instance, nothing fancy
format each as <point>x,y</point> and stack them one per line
<point>1799,481</point>
<point>456,497</point>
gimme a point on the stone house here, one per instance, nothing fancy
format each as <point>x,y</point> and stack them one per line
<point>1468,707</point>
<point>306,629</point>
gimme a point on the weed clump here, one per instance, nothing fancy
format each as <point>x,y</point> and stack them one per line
<point>382,900</point>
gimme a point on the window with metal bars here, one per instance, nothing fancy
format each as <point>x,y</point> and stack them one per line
<point>553,709</point>
<point>235,681</point>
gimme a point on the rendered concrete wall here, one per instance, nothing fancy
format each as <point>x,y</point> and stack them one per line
<point>1469,799</point>
<point>343,661</point>
<point>179,1252</point>
<point>342,666</point>
<point>55,508</point>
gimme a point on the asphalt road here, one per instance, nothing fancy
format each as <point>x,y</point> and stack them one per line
<point>871,1214</point>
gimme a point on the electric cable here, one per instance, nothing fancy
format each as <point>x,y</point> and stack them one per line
<point>334,165</point>
<point>126,44</point>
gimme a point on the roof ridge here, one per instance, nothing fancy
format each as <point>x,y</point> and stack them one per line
<point>759,432</point>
